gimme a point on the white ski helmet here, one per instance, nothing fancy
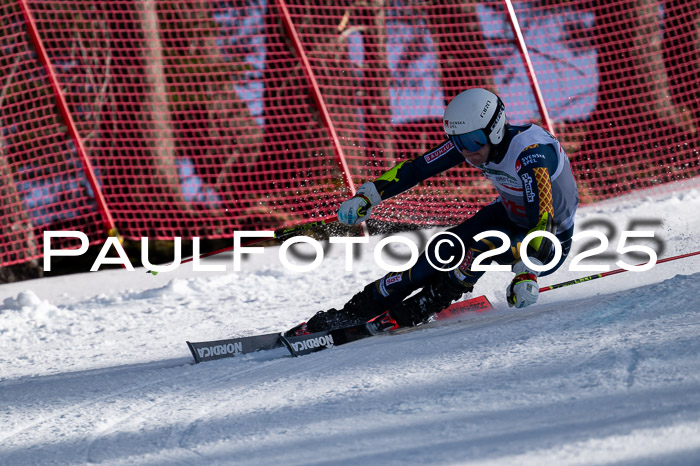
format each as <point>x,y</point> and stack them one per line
<point>475,117</point>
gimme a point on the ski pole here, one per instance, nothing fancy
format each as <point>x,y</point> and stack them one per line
<point>292,231</point>
<point>611,272</point>
<point>279,234</point>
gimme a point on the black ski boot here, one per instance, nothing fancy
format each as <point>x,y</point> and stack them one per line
<point>358,310</point>
<point>433,298</point>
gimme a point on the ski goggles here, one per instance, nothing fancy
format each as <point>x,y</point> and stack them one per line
<point>471,141</point>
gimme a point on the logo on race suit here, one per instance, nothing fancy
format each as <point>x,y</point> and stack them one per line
<point>439,152</point>
<point>514,207</point>
<point>527,182</point>
<point>313,343</point>
<point>220,350</point>
<point>499,177</point>
<point>394,279</point>
<point>518,165</point>
<point>531,146</point>
<point>467,262</point>
<point>531,158</point>
<point>464,266</point>
<point>387,281</point>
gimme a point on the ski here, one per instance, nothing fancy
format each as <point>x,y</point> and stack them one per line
<point>305,344</point>
<point>312,342</point>
<point>218,349</point>
<point>478,304</point>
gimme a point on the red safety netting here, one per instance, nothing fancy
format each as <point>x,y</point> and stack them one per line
<point>199,118</point>
<point>42,181</point>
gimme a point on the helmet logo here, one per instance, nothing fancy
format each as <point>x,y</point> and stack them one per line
<point>486,108</point>
<point>452,123</point>
<point>498,118</point>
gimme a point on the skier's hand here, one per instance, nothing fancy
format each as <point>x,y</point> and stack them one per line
<point>358,209</point>
<point>523,290</point>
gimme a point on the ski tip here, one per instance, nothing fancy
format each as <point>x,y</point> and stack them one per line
<point>193,351</point>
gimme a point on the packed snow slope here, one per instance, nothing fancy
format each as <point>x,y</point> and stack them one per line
<point>94,367</point>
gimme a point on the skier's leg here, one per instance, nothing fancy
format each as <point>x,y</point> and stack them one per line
<point>466,275</point>
<point>375,298</point>
<point>389,291</point>
<point>446,287</point>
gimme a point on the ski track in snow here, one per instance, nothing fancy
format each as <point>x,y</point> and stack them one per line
<point>95,368</point>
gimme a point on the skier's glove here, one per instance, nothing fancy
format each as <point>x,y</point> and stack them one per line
<point>358,209</point>
<point>523,290</point>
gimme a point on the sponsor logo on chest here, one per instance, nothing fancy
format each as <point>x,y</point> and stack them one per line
<point>502,178</point>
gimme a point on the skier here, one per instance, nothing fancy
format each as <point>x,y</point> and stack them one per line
<point>537,192</point>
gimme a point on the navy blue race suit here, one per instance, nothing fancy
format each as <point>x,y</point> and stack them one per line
<point>537,192</point>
